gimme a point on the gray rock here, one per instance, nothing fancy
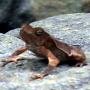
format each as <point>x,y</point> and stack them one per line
<point>14,32</point>
<point>70,28</point>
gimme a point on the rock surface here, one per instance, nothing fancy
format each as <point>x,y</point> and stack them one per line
<point>70,28</point>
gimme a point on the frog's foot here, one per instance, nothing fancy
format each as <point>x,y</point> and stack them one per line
<point>9,60</point>
<point>4,63</point>
<point>80,64</point>
<point>37,76</point>
<point>46,72</point>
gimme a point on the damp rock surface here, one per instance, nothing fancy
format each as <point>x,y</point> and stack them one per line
<point>70,28</point>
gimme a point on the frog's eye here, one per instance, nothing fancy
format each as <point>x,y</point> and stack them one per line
<point>39,32</point>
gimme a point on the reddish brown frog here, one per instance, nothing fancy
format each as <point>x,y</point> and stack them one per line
<point>44,45</point>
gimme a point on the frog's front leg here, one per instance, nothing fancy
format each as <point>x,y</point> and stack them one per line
<point>53,62</point>
<point>14,57</point>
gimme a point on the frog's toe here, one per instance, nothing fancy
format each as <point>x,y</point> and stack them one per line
<point>4,63</point>
<point>80,64</point>
<point>37,76</point>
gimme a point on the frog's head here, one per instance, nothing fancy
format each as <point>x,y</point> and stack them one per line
<point>28,34</point>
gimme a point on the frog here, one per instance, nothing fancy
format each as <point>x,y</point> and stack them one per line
<point>46,46</point>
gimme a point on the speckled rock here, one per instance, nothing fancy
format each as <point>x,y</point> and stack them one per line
<point>70,28</point>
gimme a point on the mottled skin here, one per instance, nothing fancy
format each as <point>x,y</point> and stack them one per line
<point>43,45</point>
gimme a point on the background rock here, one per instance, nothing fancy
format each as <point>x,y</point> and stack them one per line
<point>86,6</point>
<point>47,8</point>
<point>13,13</point>
<point>70,28</point>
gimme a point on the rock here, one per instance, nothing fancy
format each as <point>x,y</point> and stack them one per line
<point>13,13</point>
<point>14,32</point>
<point>46,8</point>
<point>70,28</point>
<point>86,6</point>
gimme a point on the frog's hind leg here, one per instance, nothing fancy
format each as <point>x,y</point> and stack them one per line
<point>78,55</point>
